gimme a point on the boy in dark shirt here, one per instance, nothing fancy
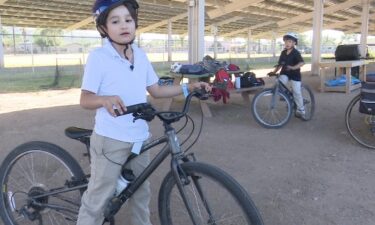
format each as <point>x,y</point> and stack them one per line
<point>290,62</point>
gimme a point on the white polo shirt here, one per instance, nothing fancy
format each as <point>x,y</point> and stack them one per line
<point>106,74</point>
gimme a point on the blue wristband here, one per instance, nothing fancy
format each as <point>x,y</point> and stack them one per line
<point>185,89</point>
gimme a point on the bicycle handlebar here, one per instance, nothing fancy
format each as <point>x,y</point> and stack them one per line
<point>147,112</point>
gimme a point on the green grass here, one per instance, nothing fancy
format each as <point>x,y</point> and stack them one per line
<point>30,83</point>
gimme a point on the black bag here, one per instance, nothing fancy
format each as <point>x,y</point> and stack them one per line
<point>367,101</point>
<point>347,52</point>
<point>249,80</point>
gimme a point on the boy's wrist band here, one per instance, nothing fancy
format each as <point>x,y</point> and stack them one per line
<point>185,89</point>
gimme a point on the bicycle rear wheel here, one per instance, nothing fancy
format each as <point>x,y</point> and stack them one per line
<point>308,102</point>
<point>215,198</point>
<point>271,111</point>
<point>360,126</point>
<point>33,169</point>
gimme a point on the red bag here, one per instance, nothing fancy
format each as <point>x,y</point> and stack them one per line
<point>222,83</point>
<point>233,67</point>
<point>223,79</point>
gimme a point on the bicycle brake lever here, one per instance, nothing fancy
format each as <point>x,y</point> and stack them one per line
<point>147,117</point>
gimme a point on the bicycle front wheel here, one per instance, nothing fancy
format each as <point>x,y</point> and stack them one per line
<point>214,197</point>
<point>37,169</point>
<point>360,126</point>
<point>308,102</point>
<point>271,110</point>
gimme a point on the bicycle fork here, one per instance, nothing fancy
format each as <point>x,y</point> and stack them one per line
<point>274,95</point>
<point>182,179</point>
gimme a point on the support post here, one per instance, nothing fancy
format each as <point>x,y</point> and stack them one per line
<point>364,26</point>
<point>196,30</point>
<point>214,33</point>
<point>317,35</point>
<point>1,46</point>
<point>169,40</point>
<point>249,44</point>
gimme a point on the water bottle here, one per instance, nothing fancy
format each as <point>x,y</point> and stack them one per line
<point>237,82</point>
<point>124,179</point>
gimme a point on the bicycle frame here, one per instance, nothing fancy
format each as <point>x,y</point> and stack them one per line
<point>172,147</point>
<point>280,87</point>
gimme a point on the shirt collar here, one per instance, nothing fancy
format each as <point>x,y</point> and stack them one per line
<point>107,45</point>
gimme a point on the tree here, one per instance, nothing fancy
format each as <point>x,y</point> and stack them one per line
<point>49,37</point>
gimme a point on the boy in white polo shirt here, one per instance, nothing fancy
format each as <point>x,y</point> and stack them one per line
<point>118,75</point>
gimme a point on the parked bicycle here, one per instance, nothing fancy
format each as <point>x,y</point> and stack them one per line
<point>361,126</point>
<point>42,183</point>
<point>273,107</point>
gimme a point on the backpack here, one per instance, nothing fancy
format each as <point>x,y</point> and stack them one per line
<point>249,80</point>
<point>233,67</point>
<point>367,101</point>
<point>196,69</point>
<point>222,83</point>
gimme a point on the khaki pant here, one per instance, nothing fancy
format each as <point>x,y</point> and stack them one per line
<point>102,183</point>
<point>297,93</point>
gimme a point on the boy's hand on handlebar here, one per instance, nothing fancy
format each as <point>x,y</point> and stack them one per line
<point>201,85</point>
<point>271,74</point>
<point>110,103</point>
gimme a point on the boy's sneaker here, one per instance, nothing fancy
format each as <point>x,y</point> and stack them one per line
<point>301,114</point>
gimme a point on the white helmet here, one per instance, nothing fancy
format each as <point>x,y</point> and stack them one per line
<point>291,36</point>
<point>175,67</point>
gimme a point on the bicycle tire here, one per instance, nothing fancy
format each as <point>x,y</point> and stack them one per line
<point>308,102</point>
<point>359,125</point>
<point>227,201</point>
<point>31,169</point>
<point>267,117</point>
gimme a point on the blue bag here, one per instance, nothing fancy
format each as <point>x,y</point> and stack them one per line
<point>193,69</point>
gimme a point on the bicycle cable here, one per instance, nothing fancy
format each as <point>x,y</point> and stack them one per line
<point>199,132</point>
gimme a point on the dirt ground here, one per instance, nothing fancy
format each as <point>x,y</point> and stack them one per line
<point>307,173</point>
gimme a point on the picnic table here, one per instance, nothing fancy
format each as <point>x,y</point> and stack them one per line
<point>178,77</point>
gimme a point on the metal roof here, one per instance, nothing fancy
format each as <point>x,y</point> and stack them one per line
<point>233,17</point>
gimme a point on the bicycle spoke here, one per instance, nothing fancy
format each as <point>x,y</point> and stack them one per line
<point>360,126</point>
<point>30,172</point>
<point>211,202</point>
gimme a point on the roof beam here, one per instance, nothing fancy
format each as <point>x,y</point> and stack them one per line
<point>162,23</point>
<point>345,22</point>
<point>247,28</point>
<point>231,20</point>
<point>82,23</point>
<point>2,1</point>
<point>231,7</point>
<point>328,10</point>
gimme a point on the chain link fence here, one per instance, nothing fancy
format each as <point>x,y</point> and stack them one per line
<point>34,62</point>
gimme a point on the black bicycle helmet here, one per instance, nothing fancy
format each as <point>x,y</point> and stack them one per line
<point>291,36</point>
<point>101,9</point>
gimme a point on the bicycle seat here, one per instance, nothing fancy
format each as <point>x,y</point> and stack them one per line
<point>77,133</point>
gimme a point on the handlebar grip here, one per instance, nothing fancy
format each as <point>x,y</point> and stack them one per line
<point>133,108</point>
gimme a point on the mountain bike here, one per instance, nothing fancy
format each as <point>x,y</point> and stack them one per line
<point>273,107</point>
<point>360,126</point>
<point>42,183</point>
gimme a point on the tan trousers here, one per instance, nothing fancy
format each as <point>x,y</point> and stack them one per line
<point>102,183</point>
<point>297,93</point>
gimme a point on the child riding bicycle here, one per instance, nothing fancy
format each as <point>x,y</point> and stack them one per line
<point>290,63</point>
<point>118,75</point>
